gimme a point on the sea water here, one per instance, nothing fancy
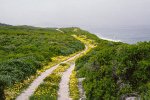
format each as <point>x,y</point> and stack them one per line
<point>129,35</point>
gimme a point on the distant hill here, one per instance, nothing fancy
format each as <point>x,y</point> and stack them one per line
<point>2,24</point>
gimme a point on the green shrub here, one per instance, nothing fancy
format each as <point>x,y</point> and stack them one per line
<point>115,69</point>
<point>25,49</point>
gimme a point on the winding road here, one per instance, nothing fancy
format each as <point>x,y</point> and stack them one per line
<point>25,95</point>
<point>63,93</point>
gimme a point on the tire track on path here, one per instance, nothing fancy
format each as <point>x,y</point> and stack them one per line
<point>25,95</point>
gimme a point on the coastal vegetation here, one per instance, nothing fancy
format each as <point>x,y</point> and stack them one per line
<point>115,70</point>
<point>112,70</point>
<point>46,90</point>
<point>26,49</point>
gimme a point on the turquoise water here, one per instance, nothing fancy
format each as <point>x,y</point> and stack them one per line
<point>125,34</point>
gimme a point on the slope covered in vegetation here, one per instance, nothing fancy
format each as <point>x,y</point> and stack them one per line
<point>114,71</point>
<point>24,49</point>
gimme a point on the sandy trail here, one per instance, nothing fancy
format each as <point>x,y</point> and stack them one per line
<point>34,85</point>
<point>63,93</point>
<point>25,95</point>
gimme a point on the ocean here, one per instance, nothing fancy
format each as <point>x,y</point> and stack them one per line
<point>130,35</point>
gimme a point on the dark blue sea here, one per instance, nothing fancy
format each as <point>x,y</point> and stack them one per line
<point>129,35</point>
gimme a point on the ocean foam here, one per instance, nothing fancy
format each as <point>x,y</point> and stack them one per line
<point>109,39</point>
<point>104,38</point>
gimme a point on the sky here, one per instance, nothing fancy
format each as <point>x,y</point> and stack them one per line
<point>86,14</point>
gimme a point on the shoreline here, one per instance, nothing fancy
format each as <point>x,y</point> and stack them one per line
<point>105,38</point>
<point>109,39</point>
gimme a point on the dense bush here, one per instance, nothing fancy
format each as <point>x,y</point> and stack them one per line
<point>24,49</point>
<point>116,70</point>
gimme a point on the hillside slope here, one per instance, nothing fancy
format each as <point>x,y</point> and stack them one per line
<point>115,71</point>
<point>112,70</point>
<point>25,49</point>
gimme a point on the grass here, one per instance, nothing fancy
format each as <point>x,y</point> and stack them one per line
<point>73,86</point>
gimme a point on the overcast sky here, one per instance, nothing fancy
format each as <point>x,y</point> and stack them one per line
<point>80,13</point>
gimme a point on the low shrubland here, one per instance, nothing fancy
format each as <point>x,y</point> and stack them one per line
<point>116,70</point>
<point>26,49</point>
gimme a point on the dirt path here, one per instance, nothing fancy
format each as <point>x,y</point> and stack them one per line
<point>63,93</point>
<point>34,85</point>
